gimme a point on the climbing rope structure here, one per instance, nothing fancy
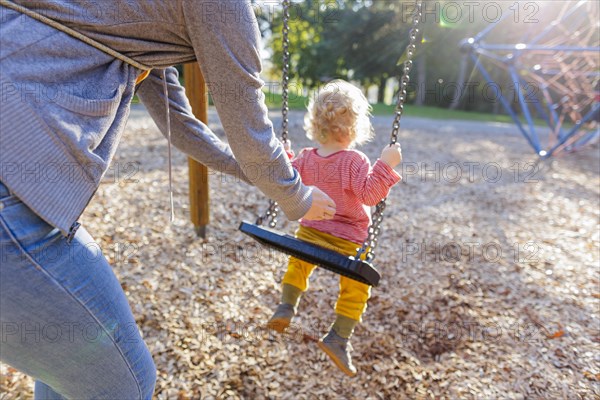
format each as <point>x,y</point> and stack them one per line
<point>553,64</point>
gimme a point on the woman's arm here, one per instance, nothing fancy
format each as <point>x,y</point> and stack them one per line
<point>188,134</point>
<point>226,38</point>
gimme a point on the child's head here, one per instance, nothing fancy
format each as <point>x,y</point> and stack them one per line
<point>339,112</point>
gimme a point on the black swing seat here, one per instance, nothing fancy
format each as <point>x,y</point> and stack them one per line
<point>359,270</point>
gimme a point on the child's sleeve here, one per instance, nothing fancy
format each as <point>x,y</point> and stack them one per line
<point>371,185</point>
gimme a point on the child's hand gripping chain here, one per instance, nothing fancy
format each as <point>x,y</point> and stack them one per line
<point>392,155</point>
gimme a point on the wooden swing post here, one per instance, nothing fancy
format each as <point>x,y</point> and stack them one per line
<point>196,91</point>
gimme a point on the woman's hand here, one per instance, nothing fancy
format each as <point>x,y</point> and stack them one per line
<point>322,206</point>
<point>392,155</point>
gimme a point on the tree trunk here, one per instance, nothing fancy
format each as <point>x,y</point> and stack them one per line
<point>381,90</point>
<point>421,80</point>
<point>460,80</point>
<point>496,109</point>
<point>365,86</point>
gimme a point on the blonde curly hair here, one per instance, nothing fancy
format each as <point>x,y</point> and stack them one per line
<point>340,111</point>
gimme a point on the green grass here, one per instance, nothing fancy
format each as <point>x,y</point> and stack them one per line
<point>296,102</point>
<point>442,113</point>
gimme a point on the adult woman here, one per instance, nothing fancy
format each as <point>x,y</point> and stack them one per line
<point>65,99</point>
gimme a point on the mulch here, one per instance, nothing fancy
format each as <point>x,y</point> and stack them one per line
<point>490,288</point>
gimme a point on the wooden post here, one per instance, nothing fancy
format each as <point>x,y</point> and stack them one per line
<point>198,173</point>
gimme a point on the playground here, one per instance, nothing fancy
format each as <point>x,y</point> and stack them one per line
<point>488,253</point>
<point>489,265</point>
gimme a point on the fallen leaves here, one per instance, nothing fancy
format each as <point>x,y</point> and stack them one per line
<point>555,335</point>
<point>444,324</point>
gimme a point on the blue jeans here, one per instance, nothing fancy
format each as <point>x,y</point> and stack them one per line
<point>64,319</point>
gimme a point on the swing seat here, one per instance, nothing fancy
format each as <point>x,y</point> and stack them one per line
<point>358,270</point>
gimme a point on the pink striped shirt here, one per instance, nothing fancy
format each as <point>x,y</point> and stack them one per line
<point>347,177</point>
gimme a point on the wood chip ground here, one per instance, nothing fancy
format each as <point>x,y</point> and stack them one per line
<point>490,289</point>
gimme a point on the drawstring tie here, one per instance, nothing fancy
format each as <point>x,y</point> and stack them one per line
<point>166,94</point>
<point>78,35</point>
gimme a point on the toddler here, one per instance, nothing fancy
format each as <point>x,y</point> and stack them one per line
<point>338,118</point>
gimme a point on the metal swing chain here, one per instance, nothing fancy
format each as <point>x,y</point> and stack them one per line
<point>370,242</point>
<point>286,71</point>
<point>273,210</point>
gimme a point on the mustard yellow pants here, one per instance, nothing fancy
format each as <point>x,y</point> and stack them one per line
<point>352,300</point>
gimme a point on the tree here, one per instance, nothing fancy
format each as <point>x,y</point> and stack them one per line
<point>308,62</point>
<point>361,41</point>
<point>365,41</point>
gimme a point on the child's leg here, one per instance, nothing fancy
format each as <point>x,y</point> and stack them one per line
<point>351,304</point>
<point>295,281</point>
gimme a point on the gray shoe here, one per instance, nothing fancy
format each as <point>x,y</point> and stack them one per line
<point>338,349</point>
<point>282,317</point>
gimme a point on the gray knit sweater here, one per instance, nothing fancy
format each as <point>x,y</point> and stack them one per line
<point>64,103</point>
